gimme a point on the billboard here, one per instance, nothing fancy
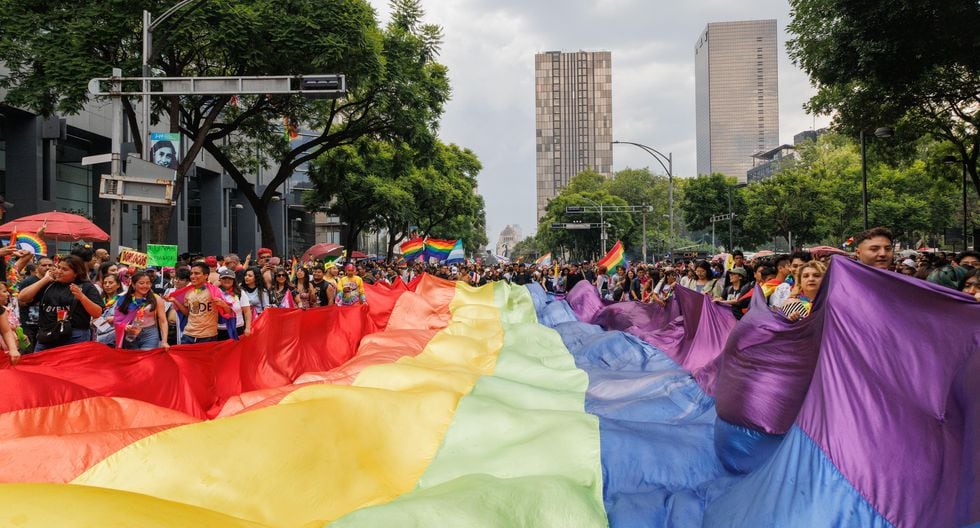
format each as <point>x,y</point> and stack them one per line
<point>165,149</point>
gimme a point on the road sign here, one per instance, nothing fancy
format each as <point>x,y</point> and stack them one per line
<point>577,225</point>
<point>722,217</point>
<point>316,86</point>
<point>138,190</point>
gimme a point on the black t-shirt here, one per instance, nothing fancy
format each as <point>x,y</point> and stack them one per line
<point>29,311</point>
<point>573,279</point>
<point>57,296</point>
<point>321,292</point>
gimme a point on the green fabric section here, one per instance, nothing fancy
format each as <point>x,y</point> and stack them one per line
<point>521,450</point>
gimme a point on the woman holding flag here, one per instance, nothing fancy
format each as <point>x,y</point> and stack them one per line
<point>241,321</point>
<point>141,317</point>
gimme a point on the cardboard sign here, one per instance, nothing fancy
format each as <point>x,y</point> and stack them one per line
<point>133,258</point>
<point>161,255</point>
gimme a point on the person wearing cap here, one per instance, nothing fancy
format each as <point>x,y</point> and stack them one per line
<point>240,305</point>
<point>907,267</point>
<point>350,288</point>
<point>738,286</point>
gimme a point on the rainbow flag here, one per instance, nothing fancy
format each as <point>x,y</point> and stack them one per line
<point>413,249</point>
<point>438,249</point>
<point>543,260</point>
<point>615,258</point>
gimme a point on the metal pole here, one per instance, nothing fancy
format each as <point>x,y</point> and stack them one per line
<point>670,199</point>
<point>965,211</point>
<point>864,179</point>
<point>115,206</point>
<point>602,224</point>
<point>731,216</point>
<point>145,133</point>
<point>644,233</point>
<point>712,235</point>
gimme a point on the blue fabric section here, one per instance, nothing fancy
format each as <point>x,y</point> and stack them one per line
<point>658,432</point>
<point>741,449</point>
<point>799,486</point>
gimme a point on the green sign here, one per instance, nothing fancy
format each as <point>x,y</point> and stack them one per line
<point>161,255</point>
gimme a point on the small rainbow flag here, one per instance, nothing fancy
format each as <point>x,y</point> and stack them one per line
<point>438,248</point>
<point>543,260</point>
<point>615,258</point>
<point>412,249</point>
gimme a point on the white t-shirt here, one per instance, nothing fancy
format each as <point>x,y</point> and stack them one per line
<point>780,294</point>
<point>237,306</point>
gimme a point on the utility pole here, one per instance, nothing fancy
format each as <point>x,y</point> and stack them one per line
<point>644,233</point>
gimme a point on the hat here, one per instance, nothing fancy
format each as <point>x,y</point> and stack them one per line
<point>264,251</point>
<point>226,274</point>
<point>211,262</point>
<point>454,269</point>
<point>909,262</point>
<point>738,271</point>
<point>349,267</point>
<point>331,264</point>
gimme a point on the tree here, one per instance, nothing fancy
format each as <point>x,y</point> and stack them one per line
<point>526,249</point>
<point>396,90</point>
<point>915,64</point>
<point>373,184</point>
<point>584,189</point>
<point>708,195</point>
<point>640,187</point>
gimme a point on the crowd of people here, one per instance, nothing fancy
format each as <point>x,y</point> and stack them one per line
<point>87,296</point>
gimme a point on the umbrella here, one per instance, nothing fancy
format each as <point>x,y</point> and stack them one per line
<point>322,250</point>
<point>358,255</point>
<point>763,253</point>
<point>59,226</point>
<point>823,251</point>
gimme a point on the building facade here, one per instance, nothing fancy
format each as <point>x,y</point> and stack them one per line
<point>736,92</point>
<point>508,238</point>
<point>573,118</point>
<point>41,170</point>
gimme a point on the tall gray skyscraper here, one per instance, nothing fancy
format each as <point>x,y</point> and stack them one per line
<point>573,118</point>
<point>737,96</point>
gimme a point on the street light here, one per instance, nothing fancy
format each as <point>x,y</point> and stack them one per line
<point>731,215</point>
<point>882,132</point>
<point>949,160</point>
<point>602,224</point>
<point>669,168</point>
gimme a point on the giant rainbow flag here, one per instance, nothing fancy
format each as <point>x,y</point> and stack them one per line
<point>440,404</point>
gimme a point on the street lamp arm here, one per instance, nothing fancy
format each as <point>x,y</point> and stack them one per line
<point>657,155</point>
<point>166,14</point>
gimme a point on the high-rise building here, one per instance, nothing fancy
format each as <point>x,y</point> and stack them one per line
<point>573,118</point>
<point>736,90</point>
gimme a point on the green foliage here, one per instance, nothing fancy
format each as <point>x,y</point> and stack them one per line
<point>818,198</point>
<point>396,89</point>
<point>374,184</point>
<point>526,249</point>
<point>913,65</point>
<point>708,195</point>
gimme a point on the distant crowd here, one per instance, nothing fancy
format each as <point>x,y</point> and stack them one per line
<point>88,296</point>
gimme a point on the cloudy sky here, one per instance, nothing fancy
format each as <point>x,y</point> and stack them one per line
<point>489,49</point>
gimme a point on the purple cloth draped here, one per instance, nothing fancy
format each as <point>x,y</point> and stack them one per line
<point>894,398</point>
<point>766,367</point>
<point>692,329</point>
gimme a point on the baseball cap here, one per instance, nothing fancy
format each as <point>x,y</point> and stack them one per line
<point>226,274</point>
<point>265,251</point>
<point>909,262</point>
<point>211,262</point>
<point>737,271</point>
<point>349,267</point>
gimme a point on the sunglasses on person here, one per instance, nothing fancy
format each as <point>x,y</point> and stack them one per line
<point>282,275</point>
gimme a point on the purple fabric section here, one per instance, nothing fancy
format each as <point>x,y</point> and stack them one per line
<point>585,301</point>
<point>692,330</point>
<point>767,366</point>
<point>891,403</point>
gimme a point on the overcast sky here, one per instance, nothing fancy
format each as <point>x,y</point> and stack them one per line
<point>489,49</point>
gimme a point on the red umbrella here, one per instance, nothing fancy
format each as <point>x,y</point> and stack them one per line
<point>358,255</point>
<point>59,226</point>
<point>823,251</point>
<point>322,250</point>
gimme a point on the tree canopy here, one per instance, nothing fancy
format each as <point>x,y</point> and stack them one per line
<point>910,64</point>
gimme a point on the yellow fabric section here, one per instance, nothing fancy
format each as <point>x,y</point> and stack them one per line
<point>325,450</point>
<point>70,505</point>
